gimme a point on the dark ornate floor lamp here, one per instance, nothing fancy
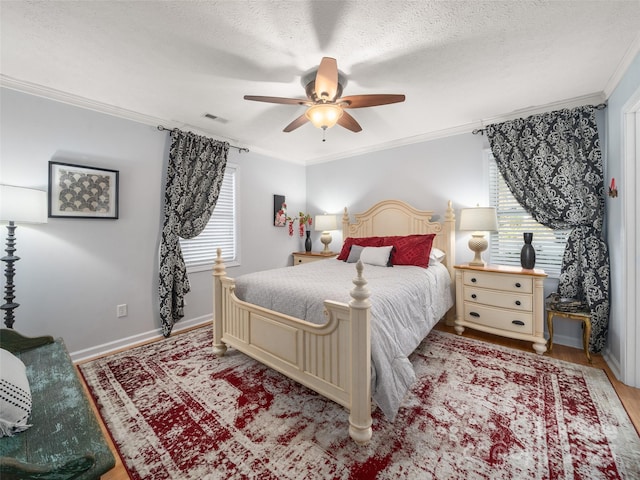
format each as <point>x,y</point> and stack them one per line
<point>17,205</point>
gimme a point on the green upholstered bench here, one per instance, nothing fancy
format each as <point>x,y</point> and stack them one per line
<point>65,440</point>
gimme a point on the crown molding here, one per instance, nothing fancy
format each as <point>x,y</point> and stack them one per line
<point>100,107</point>
<point>77,101</point>
<point>81,102</point>
<point>623,66</point>
<point>592,99</point>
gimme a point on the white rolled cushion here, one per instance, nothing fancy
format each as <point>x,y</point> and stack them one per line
<point>15,395</point>
<point>436,256</point>
<point>376,255</point>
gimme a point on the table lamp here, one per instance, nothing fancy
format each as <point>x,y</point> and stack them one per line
<point>325,223</point>
<point>478,220</point>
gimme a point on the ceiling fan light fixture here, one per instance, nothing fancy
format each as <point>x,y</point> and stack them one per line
<point>324,115</point>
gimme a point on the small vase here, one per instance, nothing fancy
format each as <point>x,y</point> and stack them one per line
<point>307,242</point>
<point>528,253</point>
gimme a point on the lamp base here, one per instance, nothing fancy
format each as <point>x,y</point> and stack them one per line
<point>326,240</point>
<point>9,289</point>
<point>478,244</point>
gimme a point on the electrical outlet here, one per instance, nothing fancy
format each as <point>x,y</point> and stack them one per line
<point>121,310</point>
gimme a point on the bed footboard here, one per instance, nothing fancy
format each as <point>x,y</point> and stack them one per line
<point>333,359</point>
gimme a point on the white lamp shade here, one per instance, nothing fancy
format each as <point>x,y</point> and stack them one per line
<point>479,219</point>
<point>324,223</point>
<point>22,205</point>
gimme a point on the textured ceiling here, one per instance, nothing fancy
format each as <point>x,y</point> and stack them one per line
<point>459,63</point>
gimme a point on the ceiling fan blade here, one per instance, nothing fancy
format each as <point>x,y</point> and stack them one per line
<point>288,101</point>
<point>361,101</point>
<point>348,122</point>
<point>298,122</point>
<point>326,84</point>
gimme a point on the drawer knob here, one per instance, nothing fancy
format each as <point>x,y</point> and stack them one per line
<point>518,302</point>
<point>474,314</point>
<point>518,285</point>
<point>520,323</point>
<point>473,295</point>
<point>473,280</point>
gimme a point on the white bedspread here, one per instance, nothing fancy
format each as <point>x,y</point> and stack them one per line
<point>406,302</point>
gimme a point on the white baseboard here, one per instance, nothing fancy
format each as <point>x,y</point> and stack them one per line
<point>128,342</point>
<point>613,363</point>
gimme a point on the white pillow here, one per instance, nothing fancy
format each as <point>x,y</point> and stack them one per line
<point>436,256</point>
<point>15,395</point>
<point>376,255</point>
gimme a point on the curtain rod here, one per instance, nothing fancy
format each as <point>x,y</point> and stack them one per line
<point>600,106</point>
<point>240,149</point>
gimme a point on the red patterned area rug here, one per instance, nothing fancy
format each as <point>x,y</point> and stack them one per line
<point>477,411</point>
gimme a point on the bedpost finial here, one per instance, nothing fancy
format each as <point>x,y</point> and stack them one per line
<point>360,293</point>
<point>218,267</point>
<point>450,214</point>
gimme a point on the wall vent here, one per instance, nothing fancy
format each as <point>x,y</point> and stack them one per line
<point>211,116</point>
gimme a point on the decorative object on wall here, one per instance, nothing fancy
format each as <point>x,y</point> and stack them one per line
<point>325,223</point>
<point>17,205</point>
<point>613,190</point>
<point>478,220</point>
<point>279,211</point>
<point>77,191</point>
<point>528,253</point>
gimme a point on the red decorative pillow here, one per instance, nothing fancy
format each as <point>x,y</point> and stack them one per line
<point>411,249</point>
<point>364,241</point>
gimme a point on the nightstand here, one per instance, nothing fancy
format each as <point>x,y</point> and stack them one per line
<point>501,300</point>
<point>306,257</point>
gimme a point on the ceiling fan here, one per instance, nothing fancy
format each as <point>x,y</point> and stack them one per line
<point>326,106</point>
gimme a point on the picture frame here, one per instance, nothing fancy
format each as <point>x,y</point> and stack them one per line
<point>80,191</point>
<point>279,212</point>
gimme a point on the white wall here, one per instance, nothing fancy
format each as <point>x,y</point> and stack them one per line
<point>425,175</point>
<point>73,272</point>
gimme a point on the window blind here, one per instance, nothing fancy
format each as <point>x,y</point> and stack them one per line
<point>513,221</point>
<point>220,231</point>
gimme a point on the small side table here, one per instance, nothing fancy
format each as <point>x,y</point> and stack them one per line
<point>553,310</point>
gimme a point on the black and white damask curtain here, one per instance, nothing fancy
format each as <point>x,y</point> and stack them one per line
<point>194,176</point>
<point>552,164</point>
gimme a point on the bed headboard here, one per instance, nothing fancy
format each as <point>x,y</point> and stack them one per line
<point>395,217</point>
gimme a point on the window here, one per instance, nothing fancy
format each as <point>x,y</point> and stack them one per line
<point>200,252</point>
<point>513,221</point>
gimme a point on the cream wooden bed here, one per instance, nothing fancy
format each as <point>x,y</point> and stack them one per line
<point>333,359</point>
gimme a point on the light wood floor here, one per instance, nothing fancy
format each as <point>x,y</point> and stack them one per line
<point>629,396</point>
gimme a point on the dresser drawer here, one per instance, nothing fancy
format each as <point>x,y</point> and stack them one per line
<point>515,301</point>
<point>509,320</point>
<point>496,281</point>
<point>299,259</point>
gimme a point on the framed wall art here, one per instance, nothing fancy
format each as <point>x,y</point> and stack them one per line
<point>77,191</point>
<point>279,211</point>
